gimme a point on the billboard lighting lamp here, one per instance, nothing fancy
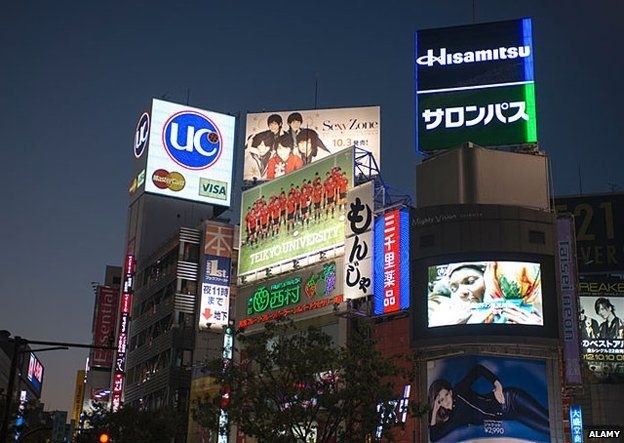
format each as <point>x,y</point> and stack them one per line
<point>296,264</point>
<point>243,279</point>
<point>267,272</point>
<point>322,255</point>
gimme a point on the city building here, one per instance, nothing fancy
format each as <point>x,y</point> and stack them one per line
<point>182,177</point>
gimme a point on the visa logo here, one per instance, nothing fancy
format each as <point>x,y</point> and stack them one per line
<point>213,188</point>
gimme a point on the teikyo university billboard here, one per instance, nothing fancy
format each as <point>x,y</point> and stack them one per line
<point>475,83</point>
<point>295,216</point>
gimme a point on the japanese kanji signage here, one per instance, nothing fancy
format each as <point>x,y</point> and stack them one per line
<point>392,272</point>
<point>301,294</point>
<point>475,83</point>
<point>214,303</point>
<point>359,241</point>
<point>576,424</point>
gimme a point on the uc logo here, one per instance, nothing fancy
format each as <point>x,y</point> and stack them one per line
<point>140,134</point>
<point>192,140</point>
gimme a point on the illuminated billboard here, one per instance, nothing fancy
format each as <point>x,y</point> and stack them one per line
<point>475,83</point>
<point>485,292</point>
<point>295,216</point>
<point>214,304</point>
<point>35,373</point>
<point>278,143</point>
<point>309,292</point>
<point>123,323</point>
<point>190,153</point>
<point>359,241</point>
<point>104,322</point>
<point>478,398</point>
<point>601,328</point>
<point>392,266</point>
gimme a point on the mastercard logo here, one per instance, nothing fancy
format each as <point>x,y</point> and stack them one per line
<point>163,179</point>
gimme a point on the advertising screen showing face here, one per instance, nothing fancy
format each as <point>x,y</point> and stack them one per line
<point>480,292</point>
<point>602,333</point>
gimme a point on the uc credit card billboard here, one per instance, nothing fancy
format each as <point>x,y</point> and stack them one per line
<point>190,153</point>
<point>475,83</point>
<point>483,398</point>
<point>295,216</point>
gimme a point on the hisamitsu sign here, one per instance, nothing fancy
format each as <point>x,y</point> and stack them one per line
<point>475,83</point>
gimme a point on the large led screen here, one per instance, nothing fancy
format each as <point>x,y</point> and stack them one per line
<point>283,141</point>
<point>296,215</point>
<point>475,83</point>
<point>481,398</point>
<point>190,153</point>
<point>485,292</point>
<point>602,328</point>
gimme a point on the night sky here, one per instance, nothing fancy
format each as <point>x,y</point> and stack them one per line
<point>75,76</point>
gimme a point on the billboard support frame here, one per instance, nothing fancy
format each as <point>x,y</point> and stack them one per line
<point>366,169</point>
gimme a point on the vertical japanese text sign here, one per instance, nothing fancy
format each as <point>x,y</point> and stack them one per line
<point>358,261</point>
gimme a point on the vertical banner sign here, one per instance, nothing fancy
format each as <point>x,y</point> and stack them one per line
<point>569,315</point>
<point>228,348</point>
<point>359,242</point>
<point>104,326</point>
<point>391,262</point>
<point>119,373</point>
<point>576,424</point>
<point>214,306</point>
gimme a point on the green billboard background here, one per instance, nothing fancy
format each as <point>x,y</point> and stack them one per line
<point>305,240</point>
<point>475,103</point>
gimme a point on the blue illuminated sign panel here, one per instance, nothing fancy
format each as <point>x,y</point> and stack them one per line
<point>392,272</point>
<point>576,424</point>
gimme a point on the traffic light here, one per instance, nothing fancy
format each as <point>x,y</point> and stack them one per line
<point>104,438</point>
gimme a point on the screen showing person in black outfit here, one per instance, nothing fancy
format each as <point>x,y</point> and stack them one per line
<point>455,406</point>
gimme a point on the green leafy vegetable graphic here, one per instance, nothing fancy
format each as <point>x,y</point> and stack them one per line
<point>510,289</point>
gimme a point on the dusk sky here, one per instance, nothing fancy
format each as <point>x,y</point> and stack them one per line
<point>75,76</point>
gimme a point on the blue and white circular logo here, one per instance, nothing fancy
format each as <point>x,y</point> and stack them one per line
<point>192,140</point>
<point>141,134</point>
